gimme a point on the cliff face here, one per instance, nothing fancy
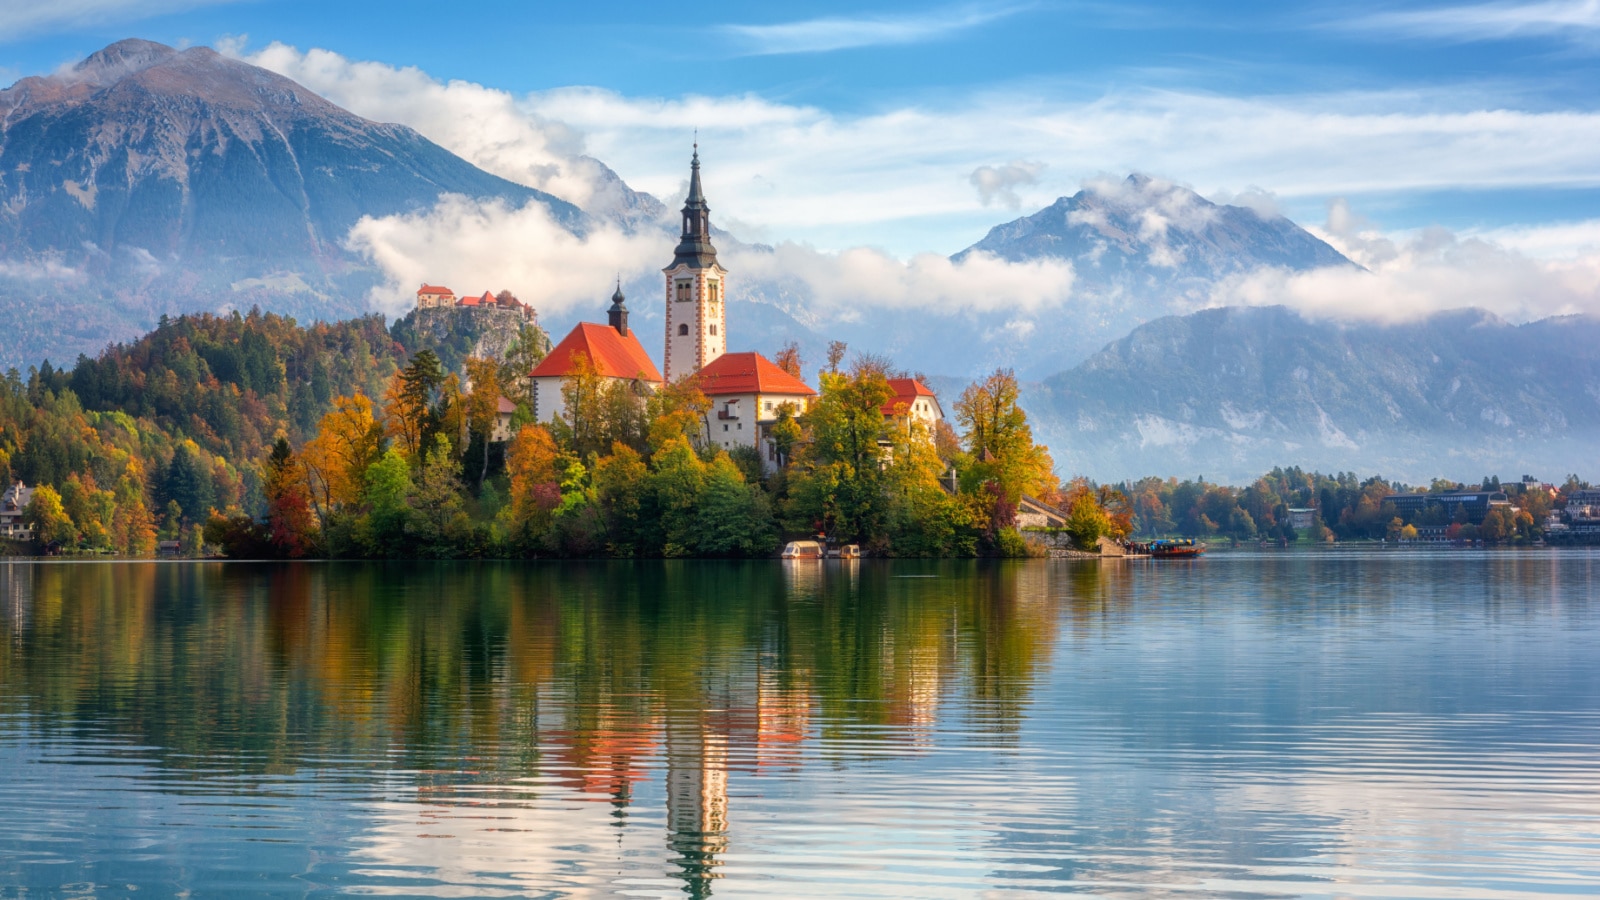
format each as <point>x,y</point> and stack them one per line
<point>455,333</point>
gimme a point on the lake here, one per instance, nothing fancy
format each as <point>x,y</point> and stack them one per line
<point>1342,723</point>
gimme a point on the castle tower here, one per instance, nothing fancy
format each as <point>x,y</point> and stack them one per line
<point>696,290</point>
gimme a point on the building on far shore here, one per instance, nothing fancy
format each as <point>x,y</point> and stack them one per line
<point>1301,519</point>
<point>12,505</point>
<point>1475,504</point>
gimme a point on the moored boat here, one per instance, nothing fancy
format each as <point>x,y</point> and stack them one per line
<point>1179,549</point>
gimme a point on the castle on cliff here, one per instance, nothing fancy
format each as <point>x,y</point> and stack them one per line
<point>432,296</point>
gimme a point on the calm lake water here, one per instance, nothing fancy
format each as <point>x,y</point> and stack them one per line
<point>1318,724</point>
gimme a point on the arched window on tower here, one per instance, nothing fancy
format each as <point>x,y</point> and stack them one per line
<point>713,329</point>
<point>683,329</point>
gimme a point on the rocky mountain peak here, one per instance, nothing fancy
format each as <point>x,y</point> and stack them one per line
<point>125,57</point>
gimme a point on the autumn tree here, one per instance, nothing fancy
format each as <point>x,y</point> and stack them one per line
<point>999,441</point>
<point>291,527</point>
<point>531,466</point>
<point>335,462</point>
<point>678,411</point>
<point>409,410</point>
<point>48,518</point>
<point>788,358</point>
<point>483,405</point>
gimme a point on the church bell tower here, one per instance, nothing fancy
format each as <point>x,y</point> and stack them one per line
<point>696,290</point>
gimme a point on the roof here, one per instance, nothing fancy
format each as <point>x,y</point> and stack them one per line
<point>906,392</point>
<point>748,373</point>
<point>506,406</point>
<point>614,355</point>
<point>434,289</point>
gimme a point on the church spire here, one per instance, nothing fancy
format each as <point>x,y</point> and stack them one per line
<point>694,247</point>
<point>617,315</point>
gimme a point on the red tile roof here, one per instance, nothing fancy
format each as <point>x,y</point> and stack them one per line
<point>614,356</point>
<point>748,373</point>
<point>506,406</point>
<point>906,392</point>
<point>434,289</point>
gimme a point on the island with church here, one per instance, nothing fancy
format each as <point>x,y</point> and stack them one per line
<point>460,431</point>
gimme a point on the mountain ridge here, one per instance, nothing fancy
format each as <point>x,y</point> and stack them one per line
<point>1233,391</point>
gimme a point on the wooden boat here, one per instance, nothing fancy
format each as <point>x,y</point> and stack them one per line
<point>1180,549</point>
<point>802,550</point>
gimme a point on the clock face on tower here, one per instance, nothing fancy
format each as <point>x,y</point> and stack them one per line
<point>696,285</point>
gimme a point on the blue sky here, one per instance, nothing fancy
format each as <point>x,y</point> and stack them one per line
<point>841,125</point>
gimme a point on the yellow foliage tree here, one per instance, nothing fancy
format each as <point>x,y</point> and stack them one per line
<point>348,440</point>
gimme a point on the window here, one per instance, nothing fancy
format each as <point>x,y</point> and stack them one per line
<point>741,426</point>
<point>683,290</point>
<point>711,291</point>
<point>724,426</point>
<point>683,329</point>
<point>713,329</point>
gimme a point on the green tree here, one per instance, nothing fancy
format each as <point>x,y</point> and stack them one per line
<point>840,486</point>
<point>436,510</point>
<point>383,527</point>
<point>733,517</point>
<point>676,477</point>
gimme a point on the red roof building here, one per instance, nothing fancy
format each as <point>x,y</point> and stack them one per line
<point>908,393</point>
<point>614,355</point>
<point>749,373</point>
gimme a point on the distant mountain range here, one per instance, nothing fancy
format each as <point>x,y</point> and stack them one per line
<point>1230,393</point>
<point>1140,249</point>
<point>150,180</point>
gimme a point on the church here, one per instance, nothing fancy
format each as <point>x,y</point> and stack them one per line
<point>746,389</point>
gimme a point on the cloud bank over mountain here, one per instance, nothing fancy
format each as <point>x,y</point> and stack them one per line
<point>825,187</point>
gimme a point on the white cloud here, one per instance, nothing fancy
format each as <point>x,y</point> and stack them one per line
<point>902,178</point>
<point>19,19</point>
<point>1429,271</point>
<point>1000,182</point>
<point>490,128</point>
<point>1489,21</point>
<point>840,33</point>
<point>843,283</point>
<point>39,270</point>
<point>474,246</point>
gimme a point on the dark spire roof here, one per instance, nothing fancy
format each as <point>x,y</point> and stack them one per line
<point>617,315</point>
<point>694,247</point>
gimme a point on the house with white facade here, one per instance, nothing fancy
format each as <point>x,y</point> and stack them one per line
<point>748,393</point>
<point>614,351</point>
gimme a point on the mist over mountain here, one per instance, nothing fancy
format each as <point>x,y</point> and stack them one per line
<point>1230,393</point>
<point>1139,249</point>
<point>149,180</point>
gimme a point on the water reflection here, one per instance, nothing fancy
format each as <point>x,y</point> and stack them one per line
<point>689,726</point>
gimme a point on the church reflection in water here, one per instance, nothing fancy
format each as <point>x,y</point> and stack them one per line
<point>615,681</point>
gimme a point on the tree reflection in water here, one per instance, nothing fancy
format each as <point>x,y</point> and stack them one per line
<point>586,678</point>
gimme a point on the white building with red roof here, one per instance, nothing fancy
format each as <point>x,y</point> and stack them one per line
<point>613,349</point>
<point>914,401</point>
<point>747,391</point>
